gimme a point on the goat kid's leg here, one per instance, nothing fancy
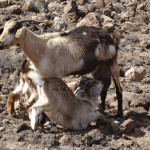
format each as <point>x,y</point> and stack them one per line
<point>33,115</point>
<point>31,100</point>
<point>114,68</point>
<point>10,103</point>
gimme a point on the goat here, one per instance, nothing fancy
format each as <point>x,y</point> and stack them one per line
<point>58,54</point>
<point>58,102</point>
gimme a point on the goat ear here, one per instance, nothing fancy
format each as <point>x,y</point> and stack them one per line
<point>80,93</point>
<point>94,91</point>
<point>20,33</point>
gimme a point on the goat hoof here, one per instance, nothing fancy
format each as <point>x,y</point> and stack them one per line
<point>27,105</point>
<point>101,108</point>
<point>118,117</point>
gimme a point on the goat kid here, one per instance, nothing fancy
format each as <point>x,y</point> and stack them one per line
<point>80,51</point>
<point>25,88</point>
<point>58,102</point>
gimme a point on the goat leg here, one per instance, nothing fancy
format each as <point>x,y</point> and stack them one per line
<point>114,68</point>
<point>10,103</point>
<point>103,98</point>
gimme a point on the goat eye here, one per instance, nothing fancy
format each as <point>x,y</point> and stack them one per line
<point>1,30</point>
<point>13,30</point>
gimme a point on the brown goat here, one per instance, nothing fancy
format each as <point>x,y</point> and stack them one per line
<point>79,51</point>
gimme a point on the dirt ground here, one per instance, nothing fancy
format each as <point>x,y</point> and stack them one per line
<point>134,51</point>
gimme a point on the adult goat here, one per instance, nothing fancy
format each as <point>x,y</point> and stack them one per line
<point>58,54</point>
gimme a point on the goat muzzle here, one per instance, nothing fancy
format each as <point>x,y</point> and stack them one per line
<point>1,45</point>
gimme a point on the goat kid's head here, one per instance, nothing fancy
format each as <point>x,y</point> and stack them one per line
<point>91,88</point>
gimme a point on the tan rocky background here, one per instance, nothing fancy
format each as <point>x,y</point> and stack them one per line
<point>131,19</point>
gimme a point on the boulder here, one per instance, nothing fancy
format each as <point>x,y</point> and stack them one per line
<point>136,73</point>
<point>91,19</point>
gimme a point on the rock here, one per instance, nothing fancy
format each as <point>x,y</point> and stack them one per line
<point>127,126</point>
<point>59,24</point>
<point>30,6</point>
<point>2,129</point>
<point>135,90</point>
<point>93,137</point>
<point>119,7</point>
<point>53,129</point>
<point>15,9</point>
<point>136,73</point>
<point>141,6</point>
<point>129,26</point>
<point>127,14</point>
<point>6,121</point>
<point>23,127</point>
<point>91,7</point>
<point>145,31</point>
<point>64,140</point>
<point>145,44</point>
<point>106,19</point>
<point>54,6</point>
<point>126,137</point>
<point>70,7</point>
<point>100,4</point>
<point>92,19</point>
<point>131,3</point>
<point>81,2</point>
<point>5,3</point>
<point>143,100</point>
<point>71,11</point>
<point>107,12</point>
<point>109,27</point>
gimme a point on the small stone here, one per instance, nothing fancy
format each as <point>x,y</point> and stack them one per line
<point>58,24</point>
<point>141,6</point>
<point>126,137</point>
<point>2,129</point>
<point>24,126</point>
<point>145,31</point>
<point>107,12</point>
<point>106,19</point>
<point>135,89</point>
<point>15,9</point>
<point>93,137</point>
<point>109,27</point>
<point>6,121</point>
<point>92,19</point>
<point>54,6</point>
<point>54,129</point>
<point>127,126</point>
<point>100,4</point>
<point>64,140</point>
<point>30,6</point>
<point>81,2</point>
<point>3,3</point>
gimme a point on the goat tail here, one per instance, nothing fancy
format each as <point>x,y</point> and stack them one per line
<point>116,37</point>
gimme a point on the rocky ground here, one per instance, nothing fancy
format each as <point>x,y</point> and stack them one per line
<point>130,18</point>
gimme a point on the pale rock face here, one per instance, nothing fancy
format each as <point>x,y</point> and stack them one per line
<point>136,73</point>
